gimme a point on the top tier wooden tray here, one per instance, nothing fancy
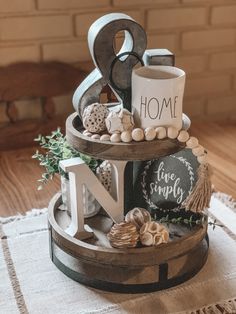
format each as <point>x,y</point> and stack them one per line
<point>135,151</point>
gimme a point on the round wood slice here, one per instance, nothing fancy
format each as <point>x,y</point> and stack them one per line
<point>95,263</point>
<point>133,151</point>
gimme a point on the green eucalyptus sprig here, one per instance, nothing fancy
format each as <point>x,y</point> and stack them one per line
<point>55,148</point>
<point>190,222</point>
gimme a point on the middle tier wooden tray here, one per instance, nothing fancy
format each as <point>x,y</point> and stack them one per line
<point>134,151</point>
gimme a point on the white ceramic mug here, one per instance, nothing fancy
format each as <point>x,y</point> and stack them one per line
<point>157,96</point>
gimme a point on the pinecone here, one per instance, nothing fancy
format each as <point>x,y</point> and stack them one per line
<point>123,235</point>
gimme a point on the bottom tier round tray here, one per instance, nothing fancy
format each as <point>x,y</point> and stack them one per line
<point>95,263</point>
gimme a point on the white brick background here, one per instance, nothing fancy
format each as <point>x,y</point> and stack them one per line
<point>202,34</point>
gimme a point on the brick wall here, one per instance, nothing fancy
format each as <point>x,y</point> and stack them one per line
<point>202,34</point>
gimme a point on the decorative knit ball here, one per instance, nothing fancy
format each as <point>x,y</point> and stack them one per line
<point>153,233</point>
<point>120,121</point>
<point>138,217</point>
<point>123,235</point>
<point>103,173</point>
<point>94,117</point>
<point>138,135</point>
<point>161,132</point>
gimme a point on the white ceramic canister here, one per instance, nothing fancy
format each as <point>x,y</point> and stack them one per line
<point>157,96</point>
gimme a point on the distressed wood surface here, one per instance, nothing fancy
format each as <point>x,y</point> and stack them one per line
<point>29,79</point>
<point>100,250</point>
<point>120,151</point>
<point>95,263</point>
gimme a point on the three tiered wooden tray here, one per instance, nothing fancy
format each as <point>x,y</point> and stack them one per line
<point>94,262</point>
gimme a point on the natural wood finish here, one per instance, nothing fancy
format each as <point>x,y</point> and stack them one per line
<point>18,185</point>
<point>99,248</point>
<point>22,133</point>
<point>18,172</point>
<point>34,80</point>
<point>117,151</point>
<point>28,79</point>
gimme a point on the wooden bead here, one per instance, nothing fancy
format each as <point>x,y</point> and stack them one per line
<point>138,135</point>
<point>105,137</point>
<point>126,136</point>
<point>202,159</point>
<point>192,142</point>
<point>160,132</point>
<point>115,138</point>
<point>95,136</point>
<point>86,133</point>
<point>172,132</point>
<point>183,136</point>
<point>149,133</point>
<point>198,151</point>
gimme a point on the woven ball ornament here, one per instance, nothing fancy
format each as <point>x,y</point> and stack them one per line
<point>103,173</point>
<point>123,235</point>
<point>94,117</point>
<point>153,233</point>
<point>138,216</point>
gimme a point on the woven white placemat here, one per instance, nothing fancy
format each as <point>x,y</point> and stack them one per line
<point>30,283</point>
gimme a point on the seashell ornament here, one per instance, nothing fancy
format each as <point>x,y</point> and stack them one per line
<point>103,173</point>
<point>153,233</point>
<point>138,216</point>
<point>119,121</point>
<point>94,117</point>
<point>123,235</point>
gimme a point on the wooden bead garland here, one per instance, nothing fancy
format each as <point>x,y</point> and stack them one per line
<point>123,235</point>
<point>138,216</point>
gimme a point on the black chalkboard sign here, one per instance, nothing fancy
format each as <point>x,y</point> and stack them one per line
<point>164,183</point>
